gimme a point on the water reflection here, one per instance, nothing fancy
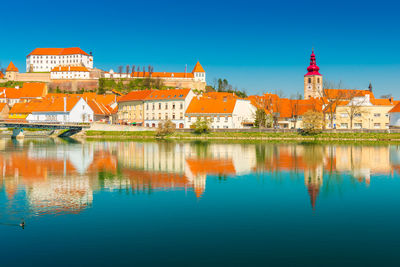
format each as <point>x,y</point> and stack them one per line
<point>56,177</point>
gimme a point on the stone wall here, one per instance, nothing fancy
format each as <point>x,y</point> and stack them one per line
<point>32,77</point>
<point>74,85</point>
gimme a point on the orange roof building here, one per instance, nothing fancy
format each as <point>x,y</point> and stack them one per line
<point>46,59</point>
<point>194,80</point>
<point>70,72</point>
<point>222,111</point>
<point>11,68</point>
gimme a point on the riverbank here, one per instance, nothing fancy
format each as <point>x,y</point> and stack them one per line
<point>245,136</point>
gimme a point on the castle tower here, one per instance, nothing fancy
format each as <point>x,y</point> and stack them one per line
<point>199,73</point>
<point>11,72</point>
<point>313,80</point>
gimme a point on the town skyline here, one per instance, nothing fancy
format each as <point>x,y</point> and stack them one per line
<point>266,49</point>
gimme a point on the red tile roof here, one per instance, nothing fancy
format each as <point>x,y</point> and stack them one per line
<point>198,68</point>
<point>172,94</point>
<point>142,74</point>
<point>11,67</point>
<point>207,105</point>
<point>58,51</point>
<point>28,90</point>
<point>346,93</point>
<point>69,68</point>
<point>1,75</point>
<point>135,95</point>
<point>395,109</point>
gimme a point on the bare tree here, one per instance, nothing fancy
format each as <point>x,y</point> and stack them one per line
<point>120,69</point>
<point>127,69</point>
<point>332,85</point>
<point>133,68</point>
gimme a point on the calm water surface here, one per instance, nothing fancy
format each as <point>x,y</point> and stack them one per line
<point>198,204</point>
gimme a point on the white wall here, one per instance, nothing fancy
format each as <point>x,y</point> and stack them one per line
<point>244,111</point>
<point>69,75</point>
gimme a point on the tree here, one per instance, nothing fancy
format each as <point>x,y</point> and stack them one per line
<point>354,108</point>
<point>127,69</point>
<point>120,69</point>
<point>202,126</point>
<point>312,122</point>
<point>165,128</point>
<point>260,118</point>
<point>332,84</point>
<point>294,107</point>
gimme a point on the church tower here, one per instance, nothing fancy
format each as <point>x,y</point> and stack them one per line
<point>313,80</point>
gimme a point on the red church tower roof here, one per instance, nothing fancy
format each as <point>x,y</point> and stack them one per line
<point>313,69</point>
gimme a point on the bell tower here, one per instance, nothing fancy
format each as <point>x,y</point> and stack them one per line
<point>313,80</point>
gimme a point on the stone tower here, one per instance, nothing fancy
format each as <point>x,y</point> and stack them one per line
<point>313,80</point>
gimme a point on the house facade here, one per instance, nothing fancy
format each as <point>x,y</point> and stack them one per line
<point>364,113</point>
<point>163,105</point>
<point>61,110</point>
<point>131,107</point>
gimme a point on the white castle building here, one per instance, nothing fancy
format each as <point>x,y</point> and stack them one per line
<point>45,59</point>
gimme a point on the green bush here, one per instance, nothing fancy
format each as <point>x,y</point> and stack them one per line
<point>201,126</point>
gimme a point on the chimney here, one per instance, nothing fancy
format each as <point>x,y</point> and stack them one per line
<point>65,104</point>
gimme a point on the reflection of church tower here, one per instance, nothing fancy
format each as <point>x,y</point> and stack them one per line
<point>312,80</point>
<point>199,184</point>
<point>313,180</point>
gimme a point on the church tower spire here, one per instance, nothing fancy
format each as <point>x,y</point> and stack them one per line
<point>313,79</point>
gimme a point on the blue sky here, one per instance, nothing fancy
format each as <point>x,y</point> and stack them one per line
<point>259,46</point>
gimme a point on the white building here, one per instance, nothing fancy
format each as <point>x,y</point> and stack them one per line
<point>69,72</point>
<point>45,59</point>
<point>163,105</point>
<point>115,75</point>
<point>223,112</point>
<point>61,110</point>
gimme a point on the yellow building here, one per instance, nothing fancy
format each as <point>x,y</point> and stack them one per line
<point>364,113</point>
<point>131,107</point>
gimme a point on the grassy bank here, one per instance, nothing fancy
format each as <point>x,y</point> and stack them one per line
<point>370,137</point>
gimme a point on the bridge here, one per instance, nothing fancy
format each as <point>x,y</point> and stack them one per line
<point>18,126</point>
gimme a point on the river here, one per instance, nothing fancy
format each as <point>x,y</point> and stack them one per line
<point>198,204</point>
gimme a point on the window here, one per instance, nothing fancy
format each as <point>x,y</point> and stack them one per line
<point>166,105</point>
<point>309,80</point>
<point>226,118</point>
<point>344,125</point>
<point>357,125</point>
<point>173,105</point>
<point>357,115</point>
<point>377,115</point>
<point>343,115</point>
<point>377,125</point>
<point>159,105</point>
<point>173,116</point>
<point>181,106</point>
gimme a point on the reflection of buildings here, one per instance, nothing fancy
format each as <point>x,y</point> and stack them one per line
<point>54,178</point>
<point>61,178</point>
<point>187,161</point>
